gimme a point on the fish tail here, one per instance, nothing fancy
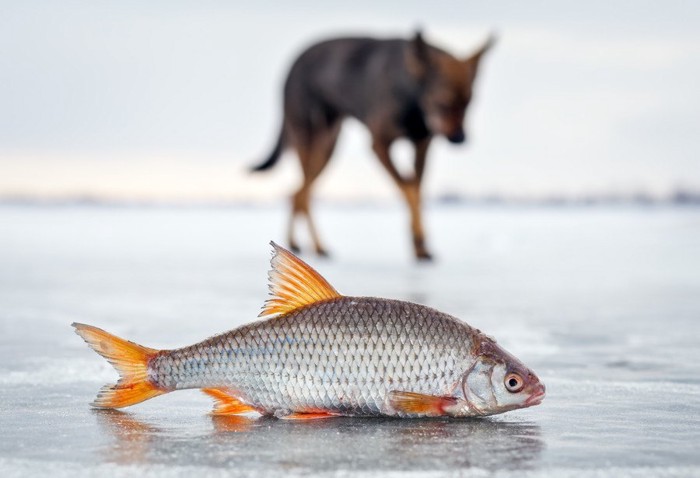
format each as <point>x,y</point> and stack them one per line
<point>130,360</point>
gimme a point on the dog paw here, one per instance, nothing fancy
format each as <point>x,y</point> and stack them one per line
<point>424,256</point>
<point>321,252</point>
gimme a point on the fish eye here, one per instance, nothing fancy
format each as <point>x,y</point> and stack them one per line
<point>514,382</point>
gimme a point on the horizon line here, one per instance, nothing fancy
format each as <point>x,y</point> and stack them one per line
<point>678,197</point>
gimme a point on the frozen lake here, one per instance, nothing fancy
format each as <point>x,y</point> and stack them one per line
<point>603,303</point>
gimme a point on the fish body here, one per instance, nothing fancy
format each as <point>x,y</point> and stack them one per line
<point>343,355</point>
<point>323,354</point>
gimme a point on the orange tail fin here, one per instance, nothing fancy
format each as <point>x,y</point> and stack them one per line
<point>130,360</point>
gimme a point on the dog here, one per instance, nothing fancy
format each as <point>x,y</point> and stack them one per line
<point>397,88</point>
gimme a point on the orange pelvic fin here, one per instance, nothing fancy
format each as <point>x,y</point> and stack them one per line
<point>294,284</point>
<point>419,404</point>
<point>308,416</point>
<point>225,403</point>
<point>129,359</point>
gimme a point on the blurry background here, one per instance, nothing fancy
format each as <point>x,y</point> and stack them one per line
<point>156,102</point>
<point>171,101</point>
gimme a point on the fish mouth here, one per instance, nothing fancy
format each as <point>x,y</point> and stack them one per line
<point>536,398</point>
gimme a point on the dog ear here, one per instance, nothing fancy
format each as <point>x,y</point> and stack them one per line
<point>473,61</point>
<point>418,55</point>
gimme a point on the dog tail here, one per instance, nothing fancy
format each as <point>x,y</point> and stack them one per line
<point>274,155</point>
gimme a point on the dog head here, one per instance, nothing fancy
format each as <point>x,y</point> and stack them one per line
<point>446,85</point>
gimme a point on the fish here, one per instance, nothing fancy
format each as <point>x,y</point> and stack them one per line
<point>315,353</point>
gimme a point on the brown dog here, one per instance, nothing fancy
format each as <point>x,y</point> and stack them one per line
<point>397,88</point>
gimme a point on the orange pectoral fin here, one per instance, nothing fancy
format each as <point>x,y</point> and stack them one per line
<point>225,403</point>
<point>418,404</point>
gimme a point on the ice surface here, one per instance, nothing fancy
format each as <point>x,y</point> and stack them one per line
<point>603,303</point>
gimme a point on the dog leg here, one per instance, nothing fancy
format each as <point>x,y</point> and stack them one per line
<point>298,199</point>
<point>313,160</point>
<point>320,250</point>
<point>413,197</point>
<point>410,189</point>
<point>296,209</point>
<point>301,206</point>
<point>411,192</point>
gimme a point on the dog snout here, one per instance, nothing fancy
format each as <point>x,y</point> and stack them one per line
<point>457,137</point>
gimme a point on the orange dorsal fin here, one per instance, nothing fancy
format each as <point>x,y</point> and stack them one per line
<point>413,403</point>
<point>294,284</point>
<point>225,403</point>
<point>130,360</point>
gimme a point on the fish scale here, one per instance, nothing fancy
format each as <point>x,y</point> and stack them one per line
<point>345,354</point>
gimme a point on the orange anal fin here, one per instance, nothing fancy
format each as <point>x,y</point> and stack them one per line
<point>225,403</point>
<point>308,416</point>
<point>420,404</point>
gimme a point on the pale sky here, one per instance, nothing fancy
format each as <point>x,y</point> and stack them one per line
<point>174,99</point>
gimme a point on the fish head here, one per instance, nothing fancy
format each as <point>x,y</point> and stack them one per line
<point>498,382</point>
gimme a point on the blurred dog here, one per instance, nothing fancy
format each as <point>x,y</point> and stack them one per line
<point>397,88</point>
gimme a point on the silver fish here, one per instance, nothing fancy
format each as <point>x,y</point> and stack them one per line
<point>320,354</point>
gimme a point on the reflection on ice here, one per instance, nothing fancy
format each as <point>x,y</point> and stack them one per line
<point>134,438</point>
<point>331,444</point>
